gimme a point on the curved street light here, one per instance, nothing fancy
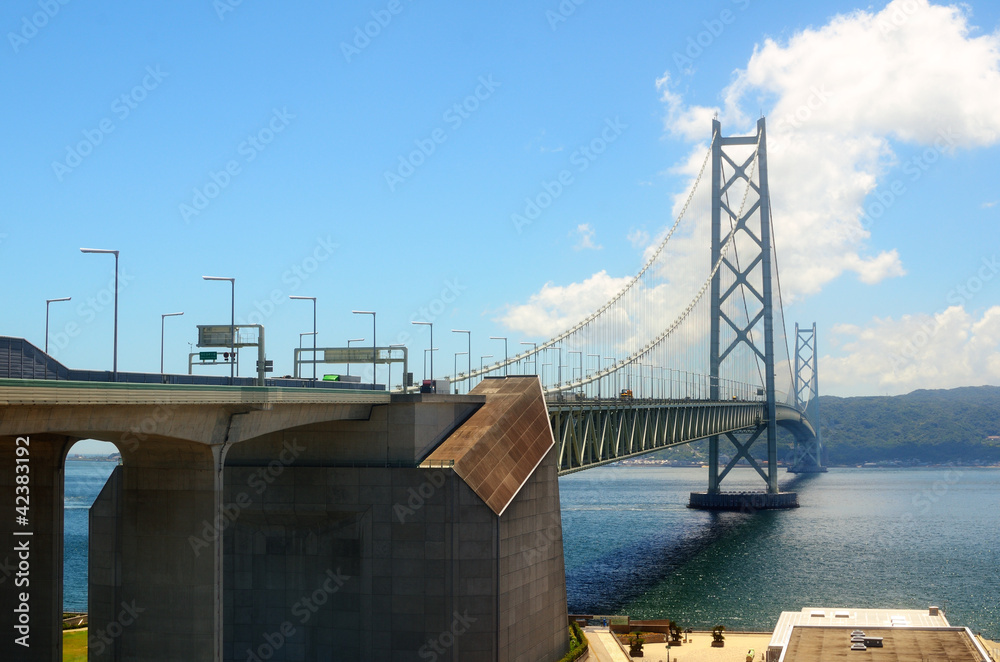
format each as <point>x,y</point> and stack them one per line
<point>232,324</point>
<point>47,302</point>
<point>108,251</point>
<point>163,318</point>
<point>430,324</point>
<point>313,299</point>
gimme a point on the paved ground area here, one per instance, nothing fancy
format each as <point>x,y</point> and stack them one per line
<point>698,649</point>
<point>992,647</point>
<point>603,647</point>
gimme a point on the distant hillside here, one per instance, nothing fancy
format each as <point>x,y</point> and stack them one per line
<point>929,426</point>
<point>926,426</point>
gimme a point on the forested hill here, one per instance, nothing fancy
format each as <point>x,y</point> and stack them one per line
<point>928,426</point>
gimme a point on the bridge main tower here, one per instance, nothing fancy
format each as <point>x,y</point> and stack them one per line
<point>746,275</point>
<point>808,452</point>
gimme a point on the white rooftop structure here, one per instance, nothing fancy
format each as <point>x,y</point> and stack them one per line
<point>859,618</point>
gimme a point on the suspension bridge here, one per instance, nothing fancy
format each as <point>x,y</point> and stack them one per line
<point>236,497</point>
<point>674,357</point>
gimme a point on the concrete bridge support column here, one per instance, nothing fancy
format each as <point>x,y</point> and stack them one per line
<point>31,566</point>
<point>156,567</point>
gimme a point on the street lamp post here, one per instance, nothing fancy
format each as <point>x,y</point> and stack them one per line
<point>430,324</point>
<point>609,358</point>
<point>305,333</point>
<point>535,354</point>
<point>313,299</point>
<point>469,352</point>
<point>559,371</point>
<point>457,354</point>
<point>348,347</point>
<point>388,384</point>
<point>504,352</point>
<point>47,302</point>
<point>598,357</point>
<point>573,351</point>
<point>232,324</point>
<point>115,253</point>
<point>483,358</point>
<point>374,345</point>
<point>163,318</point>
<point>431,350</point>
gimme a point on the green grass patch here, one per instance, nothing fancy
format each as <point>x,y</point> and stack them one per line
<point>75,646</point>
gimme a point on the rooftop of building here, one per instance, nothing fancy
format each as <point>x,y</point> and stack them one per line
<point>899,643</point>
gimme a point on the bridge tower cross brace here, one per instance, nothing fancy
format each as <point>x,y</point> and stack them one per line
<point>760,235</point>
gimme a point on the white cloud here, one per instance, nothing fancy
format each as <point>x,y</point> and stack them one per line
<point>556,307</point>
<point>840,97</point>
<point>585,235</point>
<point>951,348</point>
<point>638,237</point>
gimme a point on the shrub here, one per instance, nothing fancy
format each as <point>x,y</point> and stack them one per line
<point>577,643</point>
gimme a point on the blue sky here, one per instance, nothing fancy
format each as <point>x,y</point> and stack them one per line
<point>263,141</point>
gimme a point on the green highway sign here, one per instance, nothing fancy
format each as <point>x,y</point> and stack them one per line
<point>208,356</point>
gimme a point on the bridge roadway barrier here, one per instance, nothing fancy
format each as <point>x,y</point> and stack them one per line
<point>272,523</point>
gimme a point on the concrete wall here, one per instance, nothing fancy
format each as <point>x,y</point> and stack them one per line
<point>533,617</point>
<point>155,597</point>
<point>317,541</point>
<point>358,563</point>
<point>390,564</point>
<point>104,567</point>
